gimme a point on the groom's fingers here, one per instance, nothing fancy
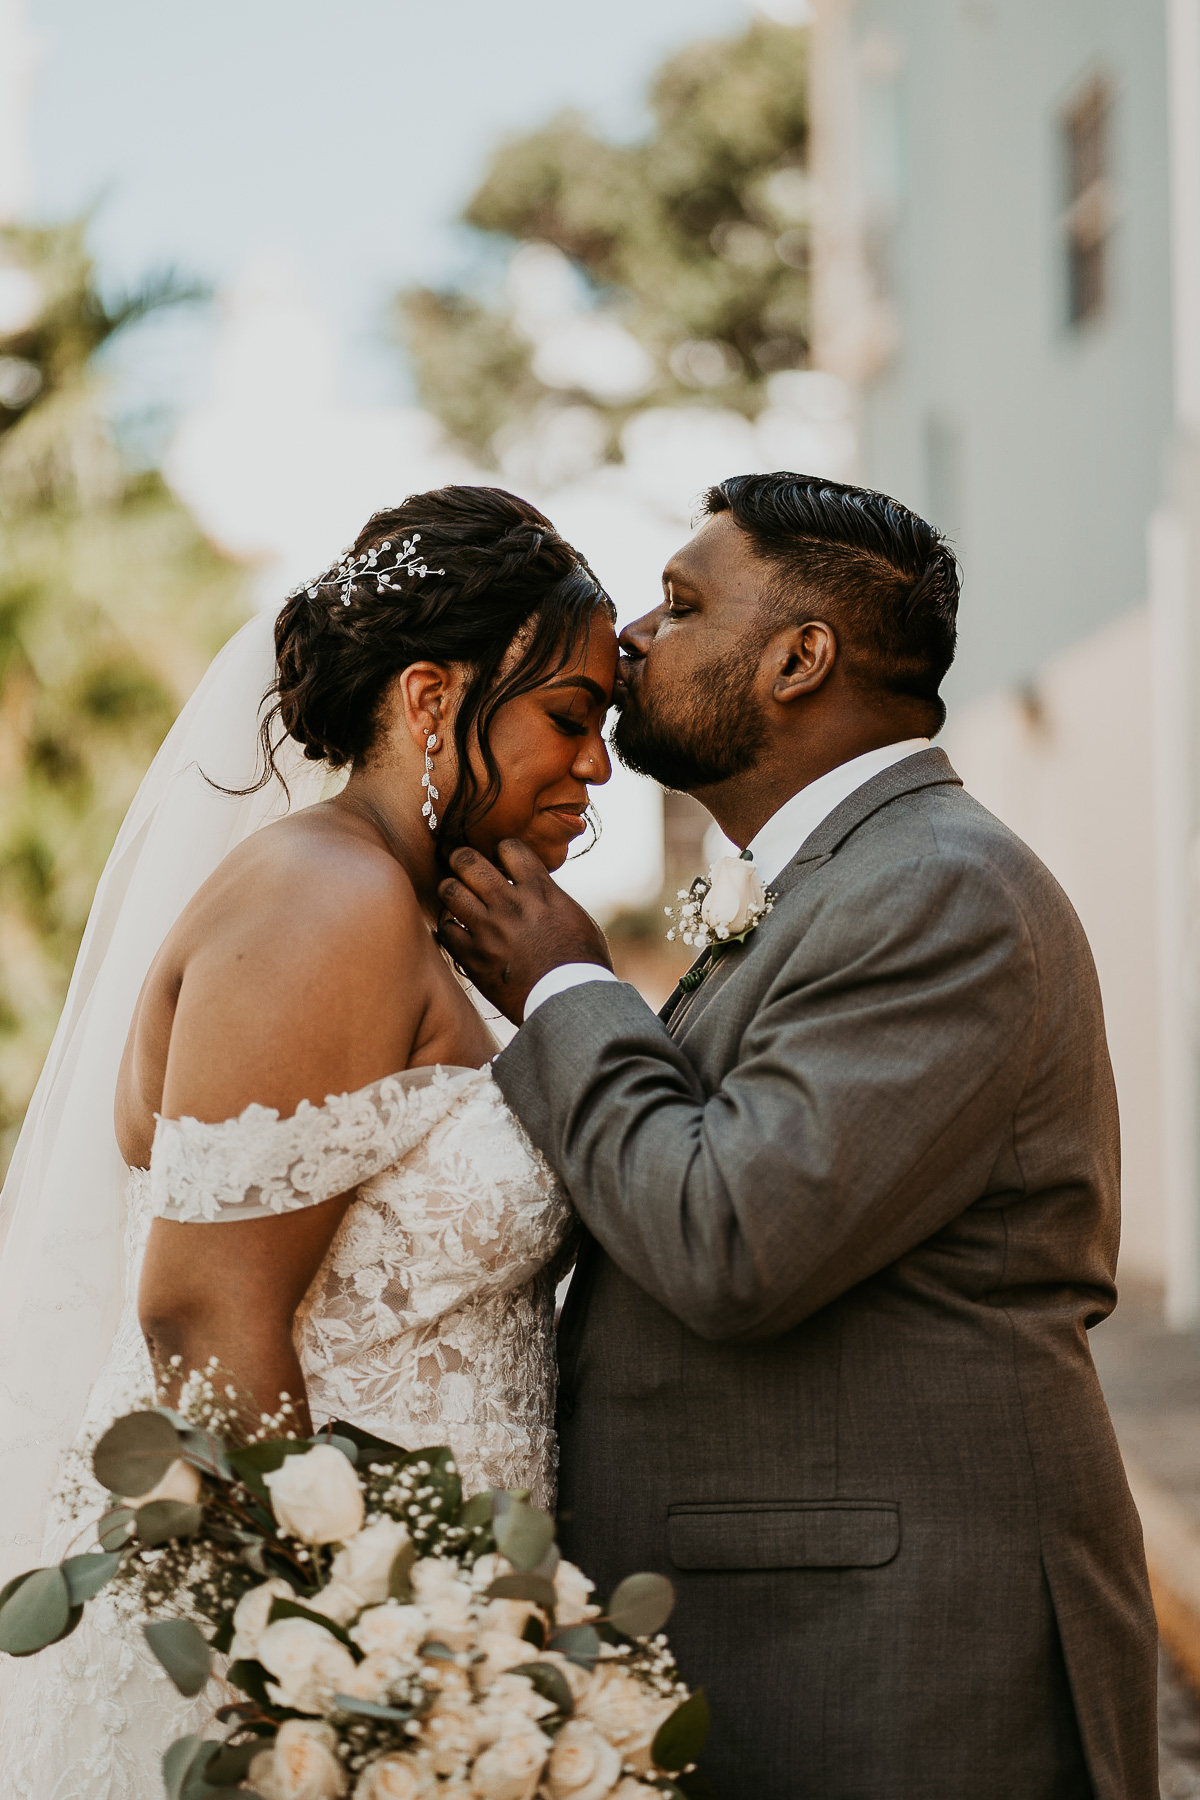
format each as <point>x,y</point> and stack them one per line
<point>456,938</point>
<point>519,861</point>
<point>478,874</point>
<point>459,900</point>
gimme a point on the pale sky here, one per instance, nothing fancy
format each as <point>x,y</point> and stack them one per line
<point>343,133</point>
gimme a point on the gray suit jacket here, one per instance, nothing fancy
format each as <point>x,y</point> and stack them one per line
<point>852,1207</point>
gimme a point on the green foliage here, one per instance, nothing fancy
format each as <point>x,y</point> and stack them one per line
<point>680,1739</point>
<point>641,1605</point>
<point>135,1453</point>
<point>696,237</point>
<point>182,1651</point>
<point>111,606</point>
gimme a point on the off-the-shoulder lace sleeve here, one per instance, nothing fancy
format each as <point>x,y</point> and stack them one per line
<point>259,1164</point>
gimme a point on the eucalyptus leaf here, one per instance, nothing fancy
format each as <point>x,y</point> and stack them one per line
<point>10,1587</point>
<point>291,1609</point>
<point>347,1446</point>
<point>534,1631</point>
<point>680,1738</point>
<point>371,1709</point>
<point>476,1512</point>
<point>524,1585</point>
<point>182,1651</point>
<point>176,1764</point>
<point>524,1535</point>
<point>160,1521</point>
<point>641,1605</point>
<point>86,1575</point>
<point>232,1762</point>
<point>250,1462</point>
<point>206,1452</point>
<point>116,1528</point>
<point>378,1449</point>
<point>579,1644</point>
<point>399,1585</point>
<point>252,1678</point>
<point>550,1683</point>
<point>36,1613</point>
<point>135,1453</point>
<point>435,1652</point>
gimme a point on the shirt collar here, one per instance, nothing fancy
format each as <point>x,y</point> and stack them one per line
<point>775,844</point>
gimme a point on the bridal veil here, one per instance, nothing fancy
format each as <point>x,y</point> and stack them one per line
<point>62,1205</point>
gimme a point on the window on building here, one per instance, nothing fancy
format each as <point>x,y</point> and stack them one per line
<point>1088,220</point>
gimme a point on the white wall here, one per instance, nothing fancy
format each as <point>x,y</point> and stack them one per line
<point>1068,765</point>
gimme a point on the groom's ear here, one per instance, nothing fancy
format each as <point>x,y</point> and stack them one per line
<point>804,657</point>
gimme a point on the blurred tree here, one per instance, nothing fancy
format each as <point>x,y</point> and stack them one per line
<point>695,241</point>
<point>111,604</point>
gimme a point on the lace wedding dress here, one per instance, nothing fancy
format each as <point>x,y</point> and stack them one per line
<point>429,1322</point>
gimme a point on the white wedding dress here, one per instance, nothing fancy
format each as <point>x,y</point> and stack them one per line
<point>430,1322</point>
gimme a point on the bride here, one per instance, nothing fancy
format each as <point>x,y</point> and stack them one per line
<point>324,1189</point>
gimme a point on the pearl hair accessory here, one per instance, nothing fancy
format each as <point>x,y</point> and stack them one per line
<point>349,568</point>
<point>427,811</point>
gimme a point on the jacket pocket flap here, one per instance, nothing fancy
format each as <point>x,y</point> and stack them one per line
<point>784,1534</point>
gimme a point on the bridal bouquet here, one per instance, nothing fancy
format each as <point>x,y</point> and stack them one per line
<point>387,1639</point>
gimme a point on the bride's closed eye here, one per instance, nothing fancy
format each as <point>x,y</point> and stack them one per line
<point>572,727</point>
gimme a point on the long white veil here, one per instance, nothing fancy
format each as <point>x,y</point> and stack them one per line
<point>62,1207</point>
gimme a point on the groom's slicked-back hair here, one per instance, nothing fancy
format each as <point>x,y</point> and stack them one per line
<point>884,579</point>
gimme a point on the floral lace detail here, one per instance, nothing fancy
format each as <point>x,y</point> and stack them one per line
<point>430,1321</point>
<point>258,1163</point>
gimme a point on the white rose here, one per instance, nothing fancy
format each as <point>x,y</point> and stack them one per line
<point>433,1576</point>
<point>308,1663</point>
<point>316,1496</point>
<point>736,892</point>
<point>301,1766</point>
<point>337,1602</point>
<point>450,1735</point>
<point>181,1482</point>
<point>396,1630</point>
<point>571,1590</point>
<point>632,1789</point>
<point>583,1766</point>
<point>373,1677</point>
<point>511,1616</point>
<point>395,1777</point>
<point>512,1767</point>
<point>448,1617</point>
<point>626,1713</point>
<point>487,1569</point>
<point>366,1562</point>
<point>251,1613</point>
<point>501,1652</point>
<point>509,1697</point>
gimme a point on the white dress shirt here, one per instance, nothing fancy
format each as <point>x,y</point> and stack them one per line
<point>772,847</point>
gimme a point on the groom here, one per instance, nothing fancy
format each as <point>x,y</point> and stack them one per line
<point>852,1204</point>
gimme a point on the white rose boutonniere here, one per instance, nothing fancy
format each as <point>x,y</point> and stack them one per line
<point>721,908</point>
<point>316,1496</point>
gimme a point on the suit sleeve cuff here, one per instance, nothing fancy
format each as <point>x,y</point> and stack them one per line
<point>567,975</point>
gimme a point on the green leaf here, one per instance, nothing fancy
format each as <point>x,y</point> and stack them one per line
<point>550,1683</point>
<point>579,1643</point>
<point>86,1575</point>
<point>252,1678</point>
<point>347,1446</point>
<point>371,1709</point>
<point>37,1613</point>
<point>116,1528</point>
<point>10,1587</point>
<point>176,1764</point>
<point>641,1605</point>
<point>476,1512</point>
<point>680,1739</point>
<point>523,1535</point>
<point>399,1585</point>
<point>524,1585</point>
<point>182,1651</point>
<point>534,1632</point>
<point>291,1609</point>
<point>379,1449</point>
<point>163,1520</point>
<point>435,1652</point>
<point>135,1453</point>
<point>206,1452</point>
<point>232,1762</point>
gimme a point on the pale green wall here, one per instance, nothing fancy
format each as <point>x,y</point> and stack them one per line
<point>1040,446</point>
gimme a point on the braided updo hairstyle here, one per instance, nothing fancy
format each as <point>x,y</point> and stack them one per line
<point>499,576</point>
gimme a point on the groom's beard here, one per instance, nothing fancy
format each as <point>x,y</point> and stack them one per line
<point>714,731</point>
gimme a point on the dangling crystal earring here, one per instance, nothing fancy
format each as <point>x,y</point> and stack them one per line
<point>427,811</point>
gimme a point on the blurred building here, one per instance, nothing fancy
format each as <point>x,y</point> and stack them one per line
<point>1008,270</point>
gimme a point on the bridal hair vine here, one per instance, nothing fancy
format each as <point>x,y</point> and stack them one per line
<point>720,908</point>
<point>367,567</point>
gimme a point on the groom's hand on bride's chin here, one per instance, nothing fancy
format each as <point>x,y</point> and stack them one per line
<point>508,927</point>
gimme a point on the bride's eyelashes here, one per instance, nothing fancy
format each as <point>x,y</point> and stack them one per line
<point>571,727</point>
